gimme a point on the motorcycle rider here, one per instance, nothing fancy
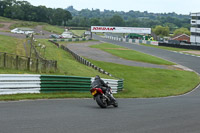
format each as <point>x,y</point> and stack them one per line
<point>105,88</point>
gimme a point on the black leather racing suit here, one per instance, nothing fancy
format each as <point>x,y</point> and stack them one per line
<point>99,83</point>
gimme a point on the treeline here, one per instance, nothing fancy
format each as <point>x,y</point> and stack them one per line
<point>23,10</point>
<point>87,17</point>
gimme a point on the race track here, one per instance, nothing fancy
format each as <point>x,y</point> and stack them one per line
<point>179,114</point>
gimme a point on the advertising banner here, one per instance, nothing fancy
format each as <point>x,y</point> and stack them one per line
<point>113,29</point>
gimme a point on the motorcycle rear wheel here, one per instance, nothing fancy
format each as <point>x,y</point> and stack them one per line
<point>100,102</point>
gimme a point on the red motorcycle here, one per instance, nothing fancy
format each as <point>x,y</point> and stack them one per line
<point>103,99</point>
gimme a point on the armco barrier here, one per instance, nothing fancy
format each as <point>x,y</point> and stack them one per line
<point>17,83</point>
<point>132,40</point>
<point>188,46</point>
<point>28,83</point>
<point>70,40</point>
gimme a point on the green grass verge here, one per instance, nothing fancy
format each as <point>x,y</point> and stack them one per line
<point>12,45</point>
<point>45,96</point>
<point>53,29</point>
<point>78,32</point>
<point>131,54</point>
<point>1,25</point>
<point>151,82</point>
<point>100,34</point>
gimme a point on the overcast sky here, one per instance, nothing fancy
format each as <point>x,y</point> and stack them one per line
<point>155,6</point>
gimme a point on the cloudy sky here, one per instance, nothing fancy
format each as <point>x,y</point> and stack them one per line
<point>155,6</point>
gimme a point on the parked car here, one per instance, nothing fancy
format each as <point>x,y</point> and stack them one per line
<point>55,36</point>
<point>67,35</point>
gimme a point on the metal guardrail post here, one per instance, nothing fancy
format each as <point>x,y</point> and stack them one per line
<point>55,65</point>
<point>4,60</point>
<point>28,63</point>
<point>17,62</point>
<point>37,65</point>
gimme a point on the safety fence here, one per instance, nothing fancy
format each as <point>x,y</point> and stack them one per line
<point>131,40</point>
<point>185,46</point>
<point>22,83</point>
<point>70,40</point>
<point>13,61</point>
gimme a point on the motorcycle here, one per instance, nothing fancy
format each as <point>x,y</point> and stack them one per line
<point>103,99</point>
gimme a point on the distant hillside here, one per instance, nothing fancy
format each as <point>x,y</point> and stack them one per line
<point>132,18</point>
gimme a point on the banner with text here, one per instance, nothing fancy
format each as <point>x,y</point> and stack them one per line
<point>120,29</point>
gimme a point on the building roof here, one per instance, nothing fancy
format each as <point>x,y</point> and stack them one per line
<point>179,35</point>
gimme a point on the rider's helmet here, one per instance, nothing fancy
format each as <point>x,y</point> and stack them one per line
<point>97,77</point>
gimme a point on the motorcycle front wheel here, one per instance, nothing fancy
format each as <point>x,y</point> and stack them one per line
<point>115,104</point>
<point>101,101</point>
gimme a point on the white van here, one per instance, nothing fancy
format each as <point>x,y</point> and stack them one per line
<point>67,35</point>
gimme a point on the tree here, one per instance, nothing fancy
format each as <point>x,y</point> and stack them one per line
<point>161,31</point>
<point>182,31</point>
<point>95,22</point>
<point>116,20</point>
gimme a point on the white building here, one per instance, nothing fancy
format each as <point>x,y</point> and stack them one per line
<point>195,28</point>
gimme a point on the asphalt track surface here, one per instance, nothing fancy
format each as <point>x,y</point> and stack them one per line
<point>155,115</point>
<point>84,50</point>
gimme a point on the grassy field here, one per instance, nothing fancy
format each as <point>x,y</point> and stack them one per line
<point>53,29</point>
<point>151,82</point>
<point>131,54</point>
<point>24,24</point>
<point>78,32</point>
<point>67,65</point>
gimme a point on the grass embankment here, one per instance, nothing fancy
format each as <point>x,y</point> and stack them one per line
<point>131,54</point>
<point>30,24</point>
<point>78,32</point>
<point>3,19</point>
<point>23,24</point>
<point>151,82</point>
<point>12,45</point>
<point>67,65</point>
